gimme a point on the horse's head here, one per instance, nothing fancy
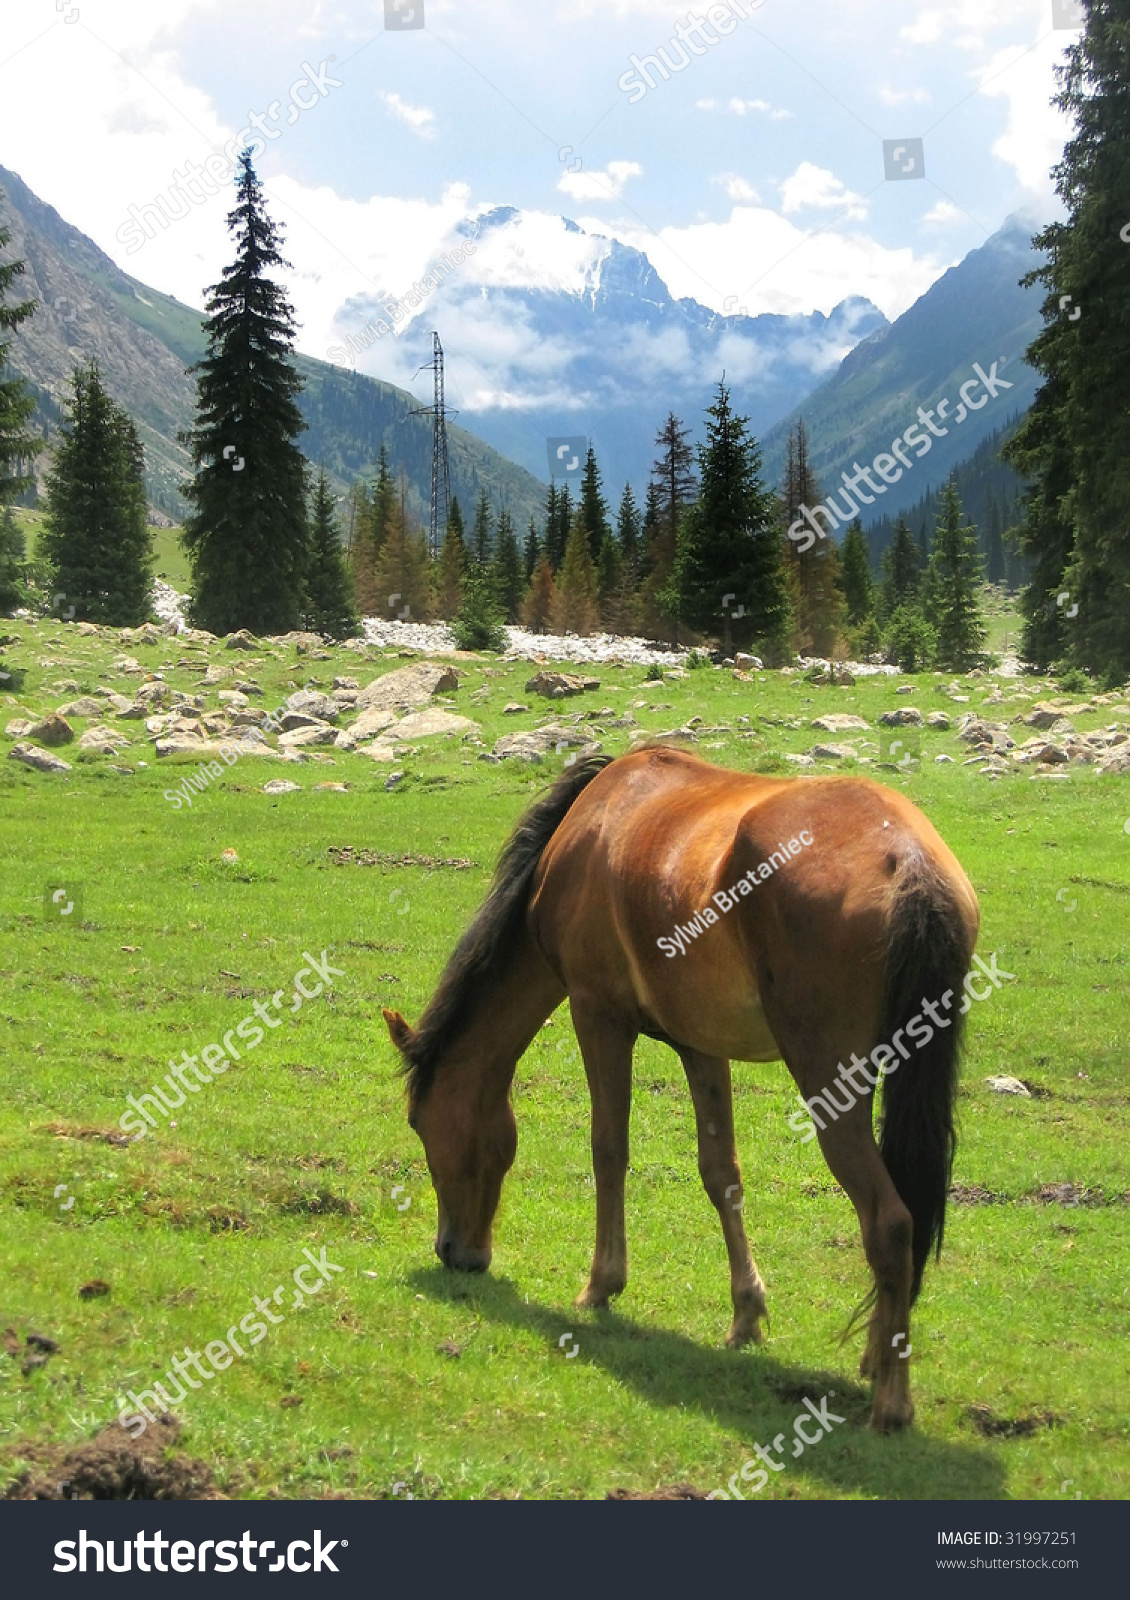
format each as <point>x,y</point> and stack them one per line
<point>467,1129</point>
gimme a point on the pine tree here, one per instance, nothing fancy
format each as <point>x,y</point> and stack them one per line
<point>1075,441</point>
<point>855,575</point>
<point>629,534</point>
<point>559,514</point>
<point>901,572</point>
<point>97,538</point>
<point>594,508</point>
<point>537,607</point>
<point>478,625</point>
<point>13,554</point>
<point>956,567</point>
<point>403,576</point>
<point>729,542</point>
<point>995,565</point>
<point>553,555</point>
<point>329,607</point>
<point>576,606</point>
<point>673,481</point>
<point>531,551</point>
<point>609,581</point>
<point>17,446</point>
<point>452,565</point>
<point>247,537</point>
<point>507,574</point>
<point>812,574</point>
<point>480,532</point>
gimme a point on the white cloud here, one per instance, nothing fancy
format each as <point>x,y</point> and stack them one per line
<point>1034,138</point>
<point>812,187</point>
<point>741,107</point>
<point>943,213</point>
<point>903,97</point>
<point>737,188</point>
<point>926,29</point>
<point>420,119</point>
<point>607,185</point>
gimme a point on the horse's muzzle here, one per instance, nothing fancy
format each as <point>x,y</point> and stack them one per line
<point>458,1258</point>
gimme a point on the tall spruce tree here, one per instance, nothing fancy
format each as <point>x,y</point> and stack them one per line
<point>329,607</point>
<point>507,572</point>
<point>18,447</point>
<point>994,563</point>
<point>480,532</point>
<point>812,575</point>
<point>594,507</point>
<point>97,538</point>
<point>13,554</point>
<point>403,574</point>
<point>377,510</point>
<point>531,550</point>
<point>729,543</point>
<point>452,565</point>
<point>247,538</point>
<point>855,575</point>
<point>902,572</point>
<point>576,606</point>
<point>955,604</point>
<point>1075,441</point>
<point>673,481</point>
<point>629,534</point>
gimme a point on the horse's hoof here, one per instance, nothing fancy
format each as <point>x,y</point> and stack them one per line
<point>593,1298</point>
<point>743,1335</point>
<point>891,1417</point>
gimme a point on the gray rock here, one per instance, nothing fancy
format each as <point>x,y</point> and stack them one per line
<point>314,704</point>
<point>559,685</point>
<point>833,752</point>
<point>904,717</point>
<point>937,719</point>
<point>393,779</point>
<point>309,733</point>
<point>281,786</point>
<point>85,706</point>
<point>41,760</point>
<point>241,640</point>
<point>513,709</point>
<point>52,730</point>
<point>427,724</point>
<point>839,722</point>
<point>408,687</point>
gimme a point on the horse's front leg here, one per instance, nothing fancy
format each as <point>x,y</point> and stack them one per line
<point>606,1048</point>
<point>709,1081</point>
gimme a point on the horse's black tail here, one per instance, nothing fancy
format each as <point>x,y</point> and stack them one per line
<point>928,956</point>
<point>497,925</point>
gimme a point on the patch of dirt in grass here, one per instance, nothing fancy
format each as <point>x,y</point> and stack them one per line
<point>1071,1194</point>
<point>815,1190</point>
<point>320,1204</point>
<point>671,1491</point>
<point>106,1135</point>
<point>346,856</point>
<point>316,1163</point>
<point>973,1194</point>
<point>112,1466</point>
<point>986,1422</point>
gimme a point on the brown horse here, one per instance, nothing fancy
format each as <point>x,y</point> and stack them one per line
<point>822,908</point>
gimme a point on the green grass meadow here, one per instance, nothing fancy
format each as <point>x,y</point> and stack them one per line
<point>400,1376</point>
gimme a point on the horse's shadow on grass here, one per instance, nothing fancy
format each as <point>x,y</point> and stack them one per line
<point>748,1392</point>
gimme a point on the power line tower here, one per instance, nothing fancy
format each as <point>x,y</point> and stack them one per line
<point>441,471</point>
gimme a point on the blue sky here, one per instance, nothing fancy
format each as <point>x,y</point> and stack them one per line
<point>752,178</point>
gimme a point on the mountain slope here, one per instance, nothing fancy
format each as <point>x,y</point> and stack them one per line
<point>143,341</point>
<point>976,312</point>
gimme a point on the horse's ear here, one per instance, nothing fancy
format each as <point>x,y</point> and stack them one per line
<point>398,1030</point>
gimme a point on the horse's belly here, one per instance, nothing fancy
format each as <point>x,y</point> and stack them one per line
<point>717,1014</point>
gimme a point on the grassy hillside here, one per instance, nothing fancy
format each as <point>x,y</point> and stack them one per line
<point>399,1375</point>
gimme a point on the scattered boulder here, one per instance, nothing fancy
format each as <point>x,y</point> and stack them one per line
<point>372,720</point>
<point>42,760</point>
<point>310,733</point>
<point>1003,1084</point>
<point>314,704</point>
<point>241,640</point>
<point>937,719</point>
<point>833,752</point>
<point>52,730</point>
<point>85,706</point>
<point>232,698</point>
<point>558,685</point>
<point>346,683</point>
<point>839,722</point>
<point>146,634</point>
<point>426,724</point>
<point>281,786</point>
<point>106,741</point>
<point>1042,715</point>
<point>944,760</point>
<point>904,717</point>
<point>126,664</point>
<point>292,720</point>
<point>746,663</point>
<point>408,686</point>
<point>513,709</point>
<point>19,728</point>
<point>1118,761</point>
<point>215,675</point>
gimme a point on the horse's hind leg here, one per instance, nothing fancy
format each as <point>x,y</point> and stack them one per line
<point>849,1149</point>
<point>709,1080</point>
<point>606,1047</point>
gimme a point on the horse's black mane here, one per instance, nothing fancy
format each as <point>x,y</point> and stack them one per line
<point>494,931</point>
